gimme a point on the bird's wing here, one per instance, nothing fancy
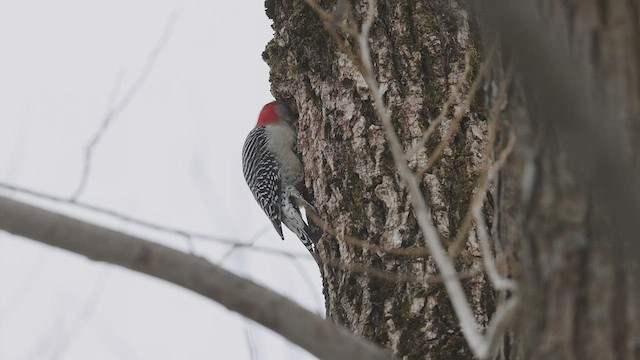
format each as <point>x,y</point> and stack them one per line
<point>260,169</point>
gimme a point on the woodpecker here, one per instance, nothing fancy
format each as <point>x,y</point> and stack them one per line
<point>274,172</point>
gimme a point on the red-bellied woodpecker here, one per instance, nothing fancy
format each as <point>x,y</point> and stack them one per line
<point>273,170</point>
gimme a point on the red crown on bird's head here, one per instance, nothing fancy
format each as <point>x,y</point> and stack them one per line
<point>268,115</point>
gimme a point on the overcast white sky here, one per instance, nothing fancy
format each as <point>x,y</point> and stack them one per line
<point>171,157</point>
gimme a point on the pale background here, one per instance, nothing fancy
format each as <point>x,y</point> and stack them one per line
<point>171,157</point>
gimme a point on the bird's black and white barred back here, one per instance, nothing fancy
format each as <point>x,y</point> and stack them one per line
<point>260,169</point>
<point>273,171</point>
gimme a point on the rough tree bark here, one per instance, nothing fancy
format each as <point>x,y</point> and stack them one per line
<point>579,293</point>
<point>418,50</point>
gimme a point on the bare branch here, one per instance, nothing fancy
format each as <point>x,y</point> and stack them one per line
<point>322,338</point>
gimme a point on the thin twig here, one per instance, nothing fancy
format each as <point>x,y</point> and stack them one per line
<point>149,225</point>
<point>354,241</point>
<point>247,244</point>
<point>498,325</point>
<point>394,277</point>
<point>251,345</point>
<point>84,315</point>
<point>499,282</point>
<point>323,15</point>
<point>453,95</point>
<point>114,111</point>
<point>332,27</point>
<point>88,154</point>
<point>313,290</point>
<point>485,172</point>
<point>26,283</point>
<point>363,40</point>
<point>455,123</point>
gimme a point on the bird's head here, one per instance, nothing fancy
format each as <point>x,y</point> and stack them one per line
<point>274,112</point>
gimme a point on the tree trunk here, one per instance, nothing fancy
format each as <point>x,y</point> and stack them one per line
<point>418,50</point>
<point>580,298</point>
